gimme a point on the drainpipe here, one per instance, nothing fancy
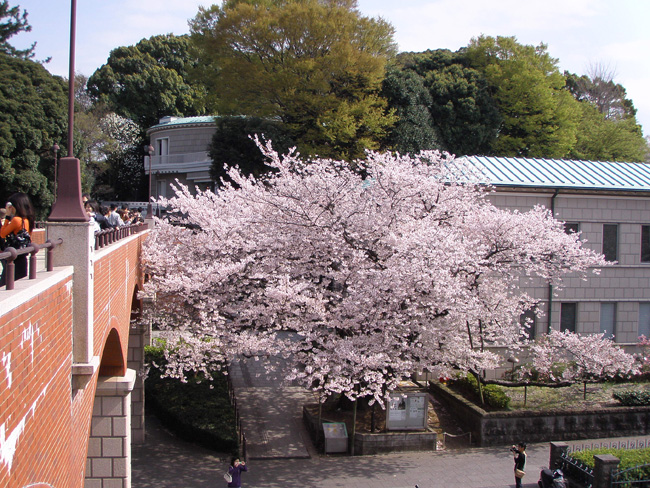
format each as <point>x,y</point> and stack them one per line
<point>549,312</point>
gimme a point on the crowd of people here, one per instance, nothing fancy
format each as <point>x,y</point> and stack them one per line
<point>110,217</point>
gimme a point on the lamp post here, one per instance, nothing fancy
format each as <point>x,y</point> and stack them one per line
<point>55,150</point>
<point>148,149</point>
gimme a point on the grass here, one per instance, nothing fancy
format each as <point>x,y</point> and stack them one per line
<point>599,395</point>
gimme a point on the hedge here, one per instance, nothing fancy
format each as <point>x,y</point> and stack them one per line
<point>198,411</point>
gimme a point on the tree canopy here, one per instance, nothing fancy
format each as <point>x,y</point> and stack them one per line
<point>540,117</point>
<point>149,80</point>
<point>33,116</point>
<point>396,266</point>
<point>317,65</point>
<point>232,144</point>
<point>12,22</point>
<point>465,115</point>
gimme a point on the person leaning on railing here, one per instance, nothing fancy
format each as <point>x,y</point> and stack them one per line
<point>19,216</point>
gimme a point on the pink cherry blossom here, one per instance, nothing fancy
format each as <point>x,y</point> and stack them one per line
<point>359,275</point>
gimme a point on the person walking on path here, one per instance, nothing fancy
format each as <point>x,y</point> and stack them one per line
<point>235,470</point>
<point>520,462</point>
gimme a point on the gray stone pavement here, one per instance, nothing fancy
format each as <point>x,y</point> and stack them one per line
<point>280,453</point>
<point>271,412</point>
<point>164,461</point>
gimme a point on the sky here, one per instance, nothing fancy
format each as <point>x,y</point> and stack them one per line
<point>581,34</point>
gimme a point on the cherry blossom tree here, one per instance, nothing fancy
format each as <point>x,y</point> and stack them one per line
<point>358,274</point>
<point>567,357</point>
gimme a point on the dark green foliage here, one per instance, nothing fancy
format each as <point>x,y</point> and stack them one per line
<point>33,116</point>
<point>231,144</point>
<point>464,114</point>
<point>198,411</point>
<point>149,80</point>
<point>632,398</point>
<point>12,22</point>
<point>414,130</point>
<point>125,178</point>
<point>494,395</point>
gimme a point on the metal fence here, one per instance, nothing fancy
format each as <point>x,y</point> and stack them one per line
<point>638,443</point>
<point>109,236</point>
<point>10,254</point>
<point>238,424</point>
<point>635,477</point>
<point>580,474</point>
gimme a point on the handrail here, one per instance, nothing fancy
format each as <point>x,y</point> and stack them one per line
<point>109,236</point>
<point>577,471</point>
<point>635,476</point>
<point>10,254</point>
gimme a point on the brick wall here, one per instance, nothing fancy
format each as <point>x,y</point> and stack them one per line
<point>35,392</point>
<point>44,423</point>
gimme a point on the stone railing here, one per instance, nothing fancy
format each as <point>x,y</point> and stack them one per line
<point>10,254</point>
<point>109,236</point>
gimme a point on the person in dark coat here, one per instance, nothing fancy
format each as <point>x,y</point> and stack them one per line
<point>235,470</point>
<point>520,461</point>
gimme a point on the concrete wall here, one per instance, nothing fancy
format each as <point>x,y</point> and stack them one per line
<point>507,428</point>
<point>45,417</point>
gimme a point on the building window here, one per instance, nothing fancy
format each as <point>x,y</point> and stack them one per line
<point>610,241</point>
<point>163,146</point>
<point>645,243</point>
<point>568,317</point>
<point>644,320</point>
<point>571,227</point>
<point>528,322</point>
<point>608,319</point>
<point>162,188</point>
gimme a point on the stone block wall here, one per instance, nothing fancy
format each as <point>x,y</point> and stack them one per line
<point>506,428</point>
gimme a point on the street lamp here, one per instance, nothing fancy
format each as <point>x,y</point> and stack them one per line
<point>55,150</point>
<point>148,149</point>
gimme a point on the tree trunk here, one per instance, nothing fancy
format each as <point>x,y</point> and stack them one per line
<point>480,387</point>
<point>354,426</point>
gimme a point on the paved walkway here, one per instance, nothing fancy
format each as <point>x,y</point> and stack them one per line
<point>271,412</point>
<point>280,453</point>
<point>167,462</point>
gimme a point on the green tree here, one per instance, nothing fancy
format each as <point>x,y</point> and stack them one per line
<point>232,145</point>
<point>12,22</point>
<point>149,80</point>
<point>540,117</point>
<point>599,89</point>
<point>33,116</point>
<point>600,138</point>
<point>465,115</point>
<point>316,64</point>
<point>414,130</point>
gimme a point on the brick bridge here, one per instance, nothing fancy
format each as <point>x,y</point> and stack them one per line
<point>71,398</point>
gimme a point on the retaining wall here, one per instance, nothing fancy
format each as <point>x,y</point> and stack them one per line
<point>380,442</point>
<point>506,428</point>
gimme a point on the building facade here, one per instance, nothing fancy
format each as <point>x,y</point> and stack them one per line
<point>180,153</point>
<point>609,204</point>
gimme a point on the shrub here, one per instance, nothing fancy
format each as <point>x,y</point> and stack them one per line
<point>632,398</point>
<point>494,396</point>
<point>198,410</point>
<point>630,458</point>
